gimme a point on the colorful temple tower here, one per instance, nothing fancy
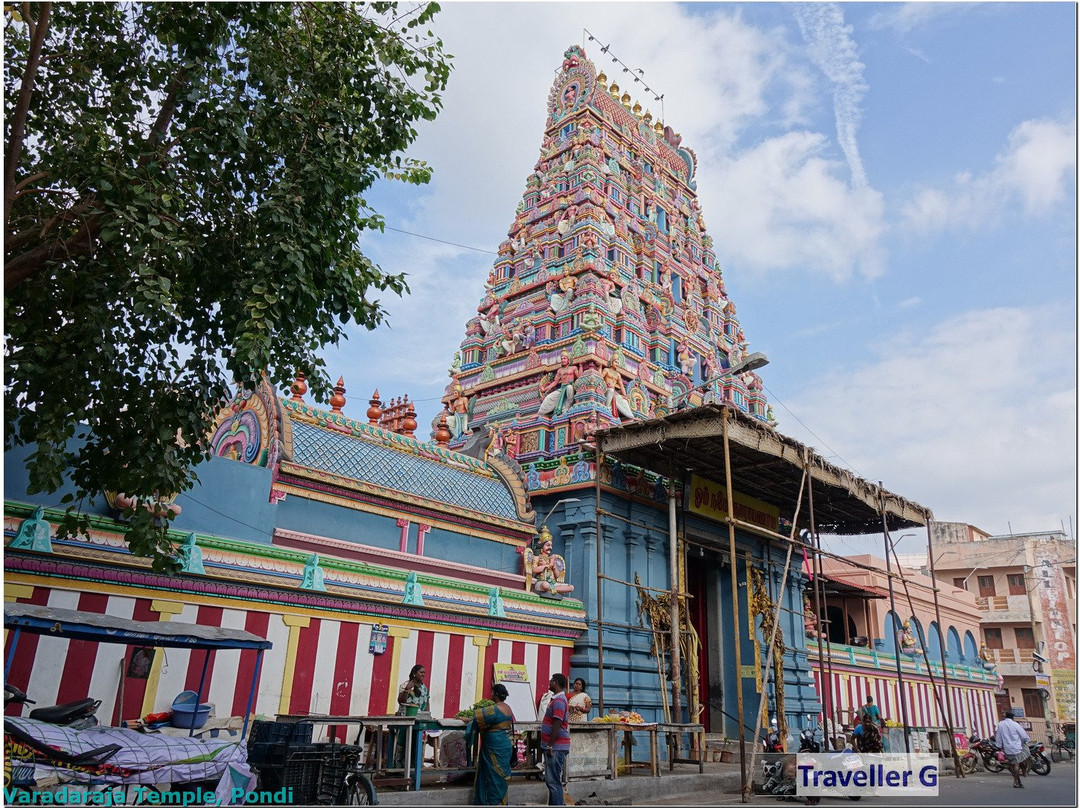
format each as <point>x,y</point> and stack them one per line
<point>606,301</point>
<point>607,305</point>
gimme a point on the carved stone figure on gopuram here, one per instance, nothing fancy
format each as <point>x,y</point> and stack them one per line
<point>606,303</point>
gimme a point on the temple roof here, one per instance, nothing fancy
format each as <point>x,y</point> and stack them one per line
<point>462,482</point>
<point>312,449</point>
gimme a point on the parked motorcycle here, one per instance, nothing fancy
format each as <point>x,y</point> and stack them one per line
<point>1039,763</point>
<point>74,714</point>
<point>988,753</point>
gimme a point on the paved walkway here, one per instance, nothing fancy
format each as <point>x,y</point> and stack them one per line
<point>628,789</point>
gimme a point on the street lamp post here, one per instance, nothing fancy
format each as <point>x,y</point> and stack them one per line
<point>745,365</point>
<point>553,508</point>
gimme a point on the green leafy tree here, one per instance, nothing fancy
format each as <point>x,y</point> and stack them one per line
<point>183,197</point>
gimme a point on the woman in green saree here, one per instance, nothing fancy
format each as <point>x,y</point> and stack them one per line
<point>492,726</point>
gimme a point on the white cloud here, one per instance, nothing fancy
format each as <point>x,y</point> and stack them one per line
<point>906,17</point>
<point>975,419</point>
<point>782,205</point>
<point>720,77</point>
<point>1037,169</point>
<point>831,47</point>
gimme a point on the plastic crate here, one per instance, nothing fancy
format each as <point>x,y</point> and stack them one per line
<point>316,772</point>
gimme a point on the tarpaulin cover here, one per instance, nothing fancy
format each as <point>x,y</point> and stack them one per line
<point>143,758</point>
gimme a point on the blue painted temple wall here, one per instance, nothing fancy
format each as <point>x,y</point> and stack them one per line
<point>230,499</point>
<point>638,543</point>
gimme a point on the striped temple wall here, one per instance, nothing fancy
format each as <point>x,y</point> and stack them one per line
<point>973,707</point>
<point>319,662</point>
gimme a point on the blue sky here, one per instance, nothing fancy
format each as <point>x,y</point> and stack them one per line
<point>891,190</point>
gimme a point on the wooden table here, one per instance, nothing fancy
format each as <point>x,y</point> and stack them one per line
<point>628,730</point>
<point>674,733</point>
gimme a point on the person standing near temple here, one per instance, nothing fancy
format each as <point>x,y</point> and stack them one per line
<point>555,739</point>
<point>1013,741</point>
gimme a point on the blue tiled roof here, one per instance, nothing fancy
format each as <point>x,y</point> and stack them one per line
<point>371,462</point>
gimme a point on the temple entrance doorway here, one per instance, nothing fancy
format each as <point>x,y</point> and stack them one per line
<point>697,604</point>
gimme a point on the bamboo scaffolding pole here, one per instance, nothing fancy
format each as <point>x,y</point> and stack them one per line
<point>627,519</point>
<point>599,589</point>
<point>823,676</point>
<point>772,639</point>
<point>946,710</point>
<point>752,528</point>
<point>743,787</point>
<point>892,607</point>
<point>673,579</point>
<point>682,595</point>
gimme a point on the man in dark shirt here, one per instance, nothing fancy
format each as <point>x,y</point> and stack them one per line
<point>555,739</point>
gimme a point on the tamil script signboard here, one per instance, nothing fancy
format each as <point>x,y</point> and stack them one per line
<point>709,499</point>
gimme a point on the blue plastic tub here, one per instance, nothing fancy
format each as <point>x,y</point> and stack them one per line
<point>187,712</point>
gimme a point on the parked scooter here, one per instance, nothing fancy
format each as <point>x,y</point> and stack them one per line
<point>74,714</point>
<point>779,776</point>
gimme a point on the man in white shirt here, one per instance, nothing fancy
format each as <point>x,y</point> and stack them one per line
<point>1013,741</point>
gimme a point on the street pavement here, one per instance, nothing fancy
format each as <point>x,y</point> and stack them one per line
<point>719,785</point>
<point>1059,788</point>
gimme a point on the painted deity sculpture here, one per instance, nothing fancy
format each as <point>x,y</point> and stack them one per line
<point>559,393</point>
<point>810,621</point>
<point>617,402</point>
<point>545,572</point>
<point>190,556</point>
<point>34,533</point>
<point>413,595</point>
<point>459,413</point>
<point>313,575</point>
<point>906,641</point>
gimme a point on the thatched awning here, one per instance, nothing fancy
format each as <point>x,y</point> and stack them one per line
<point>764,464</point>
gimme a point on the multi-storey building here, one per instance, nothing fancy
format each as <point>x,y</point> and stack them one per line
<point>861,620</point>
<point>1025,586</point>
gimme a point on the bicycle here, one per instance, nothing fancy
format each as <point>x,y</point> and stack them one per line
<point>1060,750</point>
<point>314,773</point>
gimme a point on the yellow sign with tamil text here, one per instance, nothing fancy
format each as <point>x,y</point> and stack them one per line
<point>709,499</point>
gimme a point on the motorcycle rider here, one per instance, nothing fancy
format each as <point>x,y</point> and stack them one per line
<point>1013,741</point>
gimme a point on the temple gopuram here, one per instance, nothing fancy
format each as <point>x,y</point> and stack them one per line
<point>606,302</point>
<point>606,441</point>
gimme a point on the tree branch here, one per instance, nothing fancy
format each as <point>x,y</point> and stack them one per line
<point>25,266</point>
<point>22,107</point>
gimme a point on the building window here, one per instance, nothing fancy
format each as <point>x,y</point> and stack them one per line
<point>1025,637</point>
<point>986,586</point>
<point>1004,703</point>
<point>1016,585</point>
<point>992,636</point>
<point>1033,703</point>
<point>960,583</point>
<point>616,197</point>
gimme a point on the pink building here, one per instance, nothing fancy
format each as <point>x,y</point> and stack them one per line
<point>861,630</point>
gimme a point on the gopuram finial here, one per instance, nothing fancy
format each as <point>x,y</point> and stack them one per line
<point>337,401</point>
<point>374,412</point>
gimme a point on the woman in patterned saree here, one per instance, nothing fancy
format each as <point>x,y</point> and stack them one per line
<point>492,726</point>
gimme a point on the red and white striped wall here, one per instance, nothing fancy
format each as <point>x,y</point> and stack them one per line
<point>319,663</point>
<point>972,705</point>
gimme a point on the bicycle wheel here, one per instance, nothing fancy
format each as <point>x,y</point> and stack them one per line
<point>1055,754</point>
<point>357,790</point>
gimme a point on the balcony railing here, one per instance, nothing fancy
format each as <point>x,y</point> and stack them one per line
<point>1012,655</point>
<point>1005,608</point>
